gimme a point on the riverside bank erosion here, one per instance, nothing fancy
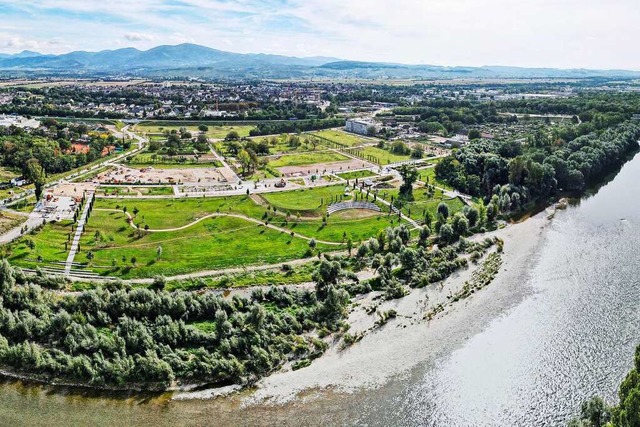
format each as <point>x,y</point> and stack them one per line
<point>390,352</point>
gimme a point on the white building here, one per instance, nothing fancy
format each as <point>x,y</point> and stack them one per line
<point>18,121</point>
<point>361,127</point>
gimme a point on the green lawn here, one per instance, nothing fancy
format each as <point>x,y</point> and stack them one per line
<point>366,173</point>
<point>124,190</point>
<point>385,157</point>
<point>6,174</point>
<point>216,132</point>
<point>428,176</point>
<point>306,158</point>
<point>214,243</point>
<point>49,244</point>
<point>161,214</point>
<point>345,138</point>
<point>307,199</point>
<point>166,162</point>
<point>424,201</point>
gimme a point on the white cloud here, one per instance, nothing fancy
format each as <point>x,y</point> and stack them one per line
<point>553,33</point>
<point>137,37</point>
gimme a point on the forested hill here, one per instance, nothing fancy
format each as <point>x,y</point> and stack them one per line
<point>190,60</point>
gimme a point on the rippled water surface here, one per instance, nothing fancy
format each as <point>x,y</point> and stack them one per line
<point>571,338</point>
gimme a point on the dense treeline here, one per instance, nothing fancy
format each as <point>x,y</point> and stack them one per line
<point>124,337</point>
<point>512,175</point>
<point>273,128</point>
<point>51,147</point>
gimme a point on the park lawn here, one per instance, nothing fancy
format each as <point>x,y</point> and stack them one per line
<point>341,226</point>
<point>342,137</point>
<point>428,176</point>
<point>7,174</point>
<point>365,173</point>
<point>49,244</point>
<point>215,131</point>
<point>179,161</point>
<point>214,243</point>
<point>9,220</point>
<point>384,157</point>
<point>132,191</point>
<point>306,199</point>
<point>160,214</point>
<point>306,158</point>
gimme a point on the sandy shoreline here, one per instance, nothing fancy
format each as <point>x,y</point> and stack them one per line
<point>393,351</point>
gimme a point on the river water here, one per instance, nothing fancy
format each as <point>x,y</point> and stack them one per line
<point>572,337</point>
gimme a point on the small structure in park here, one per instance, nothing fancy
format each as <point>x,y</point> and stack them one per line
<point>281,184</point>
<point>341,206</point>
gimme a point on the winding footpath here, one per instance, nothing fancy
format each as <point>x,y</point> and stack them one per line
<point>213,215</point>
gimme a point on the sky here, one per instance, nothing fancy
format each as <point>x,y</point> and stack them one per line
<point>600,34</point>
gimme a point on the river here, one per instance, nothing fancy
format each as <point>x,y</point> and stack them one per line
<point>570,336</point>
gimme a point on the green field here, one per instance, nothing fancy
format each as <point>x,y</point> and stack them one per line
<point>124,190</point>
<point>306,158</point>
<point>308,199</point>
<point>344,138</point>
<point>428,176</point>
<point>218,242</point>
<point>366,173</point>
<point>214,243</point>
<point>6,174</point>
<point>216,132</point>
<point>49,244</point>
<point>384,157</point>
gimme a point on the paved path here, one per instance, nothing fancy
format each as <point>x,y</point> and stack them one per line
<point>34,220</point>
<point>76,238</point>
<point>393,209</point>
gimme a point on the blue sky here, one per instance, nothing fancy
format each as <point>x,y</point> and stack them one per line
<point>539,33</point>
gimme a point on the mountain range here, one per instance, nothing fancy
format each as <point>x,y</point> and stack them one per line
<point>191,60</point>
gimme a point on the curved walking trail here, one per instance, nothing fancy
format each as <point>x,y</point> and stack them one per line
<point>246,218</point>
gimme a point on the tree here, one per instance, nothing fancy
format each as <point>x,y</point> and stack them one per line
<point>349,245</point>
<point>399,147</point>
<point>425,231</point>
<point>443,210</point>
<point>409,176</point>
<point>35,173</point>
<point>474,134</point>
<point>159,251</point>
<point>232,136</point>
<point>203,128</point>
<point>244,158</point>
<point>446,233</point>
